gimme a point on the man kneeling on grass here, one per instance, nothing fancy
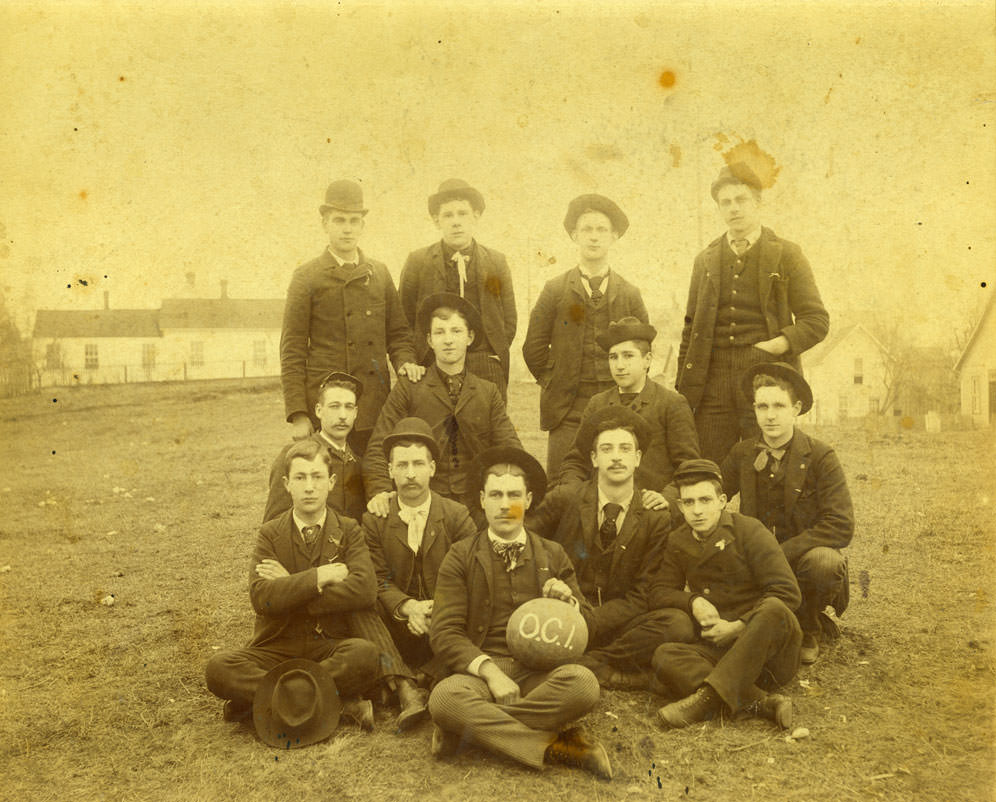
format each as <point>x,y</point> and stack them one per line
<point>492,700</point>
<point>741,594</point>
<point>310,568</point>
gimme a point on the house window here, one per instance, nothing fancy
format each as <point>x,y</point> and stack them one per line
<point>149,356</point>
<point>259,353</point>
<point>873,406</point>
<point>197,353</point>
<point>842,406</point>
<point>91,360</point>
<point>859,372</point>
<point>53,356</point>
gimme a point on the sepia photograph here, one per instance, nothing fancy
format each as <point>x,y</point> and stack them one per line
<point>525,400</point>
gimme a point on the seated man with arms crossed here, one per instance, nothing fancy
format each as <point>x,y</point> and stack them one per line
<point>310,569</point>
<point>490,699</point>
<point>615,544</point>
<point>740,593</point>
<point>794,485</point>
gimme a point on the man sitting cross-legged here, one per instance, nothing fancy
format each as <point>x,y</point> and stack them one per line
<point>740,593</point>
<point>310,568</point>
<point>795,486</point>
<point>407,548</point>
<point>492,700</point>
<point>615,544</point>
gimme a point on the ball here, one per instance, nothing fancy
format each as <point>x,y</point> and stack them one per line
<point>545,633</point>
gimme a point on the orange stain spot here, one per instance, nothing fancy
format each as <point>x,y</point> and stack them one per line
<point>121,78</point>
<point>666,79</point>
<point>83,194</point>
<point>675,155</point>
<point>493,285</point>
<point>576,313</point>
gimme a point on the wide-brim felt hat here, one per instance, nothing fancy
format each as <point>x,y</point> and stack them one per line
<point>408,429</point>
<point>423,318</point>
<point>613,417</point>
<point>344,195</point>
<point>779,370</point>
<point>735,173</point>
<point>697,469</point>
<point>595,203</point>
<point>455,189</point>
<point>507,455</point>
<point>346,378</point>
<point>624,330</point>
<point>296,704</point>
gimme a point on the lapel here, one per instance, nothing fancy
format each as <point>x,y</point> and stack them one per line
<point>630,526</point>
<point>574,284</point>
<point>713,261</point>
<point>362,272</point>
<point>481,265</point>
<point>482,553</point>
<point>647,396</point>
<point>470,389</point>
<point>436,260</point>
<point>435,385</point>
<point>748,476</point>
<point>612,293</point>
<point>396,528</point>
<point>797,463</point>
<point>711,547</point>
<point>588,510</point>
<point>768,260</point>
<point>433,524</point>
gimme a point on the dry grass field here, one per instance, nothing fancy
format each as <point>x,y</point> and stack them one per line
<point>153,494</point>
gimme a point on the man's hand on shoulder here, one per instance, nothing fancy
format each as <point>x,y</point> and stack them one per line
<point>380,504</point>
<point>502,687</point>
<point>301,426</point>
<point>412,371</point>
<point>652,500</point>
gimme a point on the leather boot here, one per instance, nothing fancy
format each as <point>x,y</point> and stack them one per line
<point>702,705</point>
<point>361,711</point>
<point>573,748</point>
<point>414,704</point>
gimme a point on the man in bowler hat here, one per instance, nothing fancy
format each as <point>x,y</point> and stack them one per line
<point>460,265</point>
<point>561,347</point>
<point>794,485</point>
<point>752,299</point>
<point>342,313</point>
<point>672,429</point>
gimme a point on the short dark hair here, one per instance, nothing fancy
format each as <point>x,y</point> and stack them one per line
<point>767,380</point>
<point>504,469</point>
<point>411,441</point>
<point>611,423</point>
<point>307,449</point>
<point>445,313</point>
<point>695,478</point>
<point>340,384</point>
<point>643,346</point>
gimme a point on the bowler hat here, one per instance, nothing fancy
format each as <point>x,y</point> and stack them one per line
<point>345,378</point>
<point>296,704</point>
<point>344,195</point>
<point>455,189</point>
<point>613,417</point>
<point>625,329</point>
<point>697,469</point>
<point>736,173</point>
<point>507,455</point>
<point>595,203</point>
<point>783,371</point>
<point>411,429</point>
<point>423,318</point>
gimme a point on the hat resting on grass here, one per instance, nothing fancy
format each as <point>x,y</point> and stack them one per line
<point>296,704</point>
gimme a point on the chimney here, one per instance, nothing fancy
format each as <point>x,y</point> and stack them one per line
<point>224,288</point>
<point>107,299</point>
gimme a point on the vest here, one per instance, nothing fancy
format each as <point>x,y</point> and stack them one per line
<point>594,359</point>
<point>771,500</point>
<point>511,589</point>
<point>739,319</point>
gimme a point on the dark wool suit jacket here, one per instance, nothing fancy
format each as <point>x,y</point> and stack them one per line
<point>790,303</point>
<point>279,602</point>
<point>424,273</point>
<point>394,562</point>
<point>569,516</point>
<point>553,344</point>
<point>479,419</point>
<point>345,498</point>
<point>735,568</point>
<point>335,320</point>
<point>818,507</point>
<point>674,437</point>
<point>464,600</point>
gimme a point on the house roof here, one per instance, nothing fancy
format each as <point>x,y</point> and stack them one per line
<point>221,313</point>
<point>61,323</point>
<point>976,332</point>
<point>820,351</point>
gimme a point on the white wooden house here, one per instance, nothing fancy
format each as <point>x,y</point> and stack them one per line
<point>850,375</point>
<point>976,369</point>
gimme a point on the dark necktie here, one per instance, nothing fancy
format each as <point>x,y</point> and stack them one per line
<point>608,528</point>
<point>509,552</point>
<point>454,384</point>
<point>763,454</point>
<point>739,246</point>
<point>595,282</point>
<point>310,533</point>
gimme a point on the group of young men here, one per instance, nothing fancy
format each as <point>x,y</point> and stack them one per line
<point>405,523</point>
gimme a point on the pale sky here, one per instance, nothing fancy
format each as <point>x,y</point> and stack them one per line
<point>139,144</point>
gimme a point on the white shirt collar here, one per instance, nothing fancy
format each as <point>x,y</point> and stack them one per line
<point>422,508</point>
<point>341,262</point>
<point>586,283</point>
<point>751,237</point>
<point>320,522</point>
<point>602,501</point>
<point>345,450</point>
<point>520,538</point>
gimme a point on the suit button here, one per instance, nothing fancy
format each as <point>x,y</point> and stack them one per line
<point>706,591</point>
<point>369,313</point>
<point>688,366</point>
<point>732,325</point>
<point>734,292</point>
<point>733,309</point>
<point>731,339</point>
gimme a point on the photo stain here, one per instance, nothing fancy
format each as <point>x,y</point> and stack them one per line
<point>675,155</point>
<point>667,79</point>
<point>576,313</point>
<point>763,164</point>
<point>121,78</point>
<point>83,194</point>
